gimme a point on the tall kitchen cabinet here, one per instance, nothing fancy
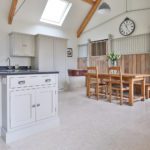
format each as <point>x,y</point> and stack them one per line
<point>44,53</point>
<point>60,46</point>
<point>50,55</point>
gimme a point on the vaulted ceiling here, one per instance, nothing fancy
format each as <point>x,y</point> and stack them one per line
<point>32,10</point>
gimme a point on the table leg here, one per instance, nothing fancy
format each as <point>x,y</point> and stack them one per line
<point>143,89</point>
<point>87,86</point>
<point>131,92</point>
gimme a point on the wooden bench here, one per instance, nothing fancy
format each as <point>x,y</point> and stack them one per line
<point>147,89</point>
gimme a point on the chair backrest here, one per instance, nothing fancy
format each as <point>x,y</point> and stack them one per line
<point>93,71</point>
<point>115,71</point>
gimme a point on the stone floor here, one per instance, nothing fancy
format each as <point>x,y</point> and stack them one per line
<point>87,124</point>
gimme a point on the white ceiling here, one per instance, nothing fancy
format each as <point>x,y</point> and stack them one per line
<point>32,10</point>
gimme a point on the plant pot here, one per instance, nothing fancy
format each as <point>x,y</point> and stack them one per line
<point>113,63</point>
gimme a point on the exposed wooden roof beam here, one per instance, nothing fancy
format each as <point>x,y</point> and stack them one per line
<point>88,17</point>
<point>12,11</point>
<point>90,1</point>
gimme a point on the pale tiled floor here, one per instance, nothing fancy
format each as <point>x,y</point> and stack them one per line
<point>90,125</point>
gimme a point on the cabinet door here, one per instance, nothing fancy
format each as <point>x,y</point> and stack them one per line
<point>22,45</point>
<point>45,103</point>
<point>27,45</point>
<point>45,53</point>
<point>22,108</point>
<point>16,40</point>
<point>60,46</point>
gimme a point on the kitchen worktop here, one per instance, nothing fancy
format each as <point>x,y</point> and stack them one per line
<point>25,72</point>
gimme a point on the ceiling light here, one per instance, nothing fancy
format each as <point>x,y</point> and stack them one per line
<point>104,8</point>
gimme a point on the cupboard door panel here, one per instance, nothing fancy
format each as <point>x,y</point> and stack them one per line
<point>45,53</point>
<point>60,46</point>
<point>22,45</point>
<point>22,108</point>
<point>45,106</point>
<point>17,45</point>
<point>27,45</point>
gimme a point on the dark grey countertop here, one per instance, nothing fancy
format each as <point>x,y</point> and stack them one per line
<point>25,72</point>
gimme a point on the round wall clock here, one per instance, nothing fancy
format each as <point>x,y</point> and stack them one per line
<point>127,27</point>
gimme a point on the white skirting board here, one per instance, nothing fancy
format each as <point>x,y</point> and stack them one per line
<point>12,136</point>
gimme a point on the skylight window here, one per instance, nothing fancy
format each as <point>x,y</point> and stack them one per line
<point>56,11</point>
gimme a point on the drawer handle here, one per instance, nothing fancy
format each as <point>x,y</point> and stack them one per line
<point>48,80</point>
<point>38,105</point>
<point>21,82</point>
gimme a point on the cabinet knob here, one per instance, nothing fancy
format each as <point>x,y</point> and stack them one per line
<point>33,106</point>
<point>38,105</point>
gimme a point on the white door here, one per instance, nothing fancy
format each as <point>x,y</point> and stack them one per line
<point>60,46</point>
<point>22,108</point>
<point>45,106</point>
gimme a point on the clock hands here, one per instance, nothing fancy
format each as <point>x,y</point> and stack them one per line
<point>127,27</point>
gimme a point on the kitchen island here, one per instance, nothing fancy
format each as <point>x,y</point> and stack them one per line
<point>29,102</point>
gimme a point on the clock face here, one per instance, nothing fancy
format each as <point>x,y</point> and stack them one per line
<point>127,27</point>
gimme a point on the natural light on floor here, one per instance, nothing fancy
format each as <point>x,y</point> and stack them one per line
<point>55,12</point>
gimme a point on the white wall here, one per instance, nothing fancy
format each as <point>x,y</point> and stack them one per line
<point>141,19</point>
<point>5,29</point>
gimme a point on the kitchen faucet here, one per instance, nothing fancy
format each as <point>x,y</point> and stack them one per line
<point>9,63</point>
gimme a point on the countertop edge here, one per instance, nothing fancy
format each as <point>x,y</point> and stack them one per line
<point>27,73</point>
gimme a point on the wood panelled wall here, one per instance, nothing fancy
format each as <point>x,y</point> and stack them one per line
<point>137,44</point>
<point>135,63</point>
<point>132,63</point>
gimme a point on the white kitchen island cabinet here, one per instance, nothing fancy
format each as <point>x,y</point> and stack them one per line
<point>29,104</point>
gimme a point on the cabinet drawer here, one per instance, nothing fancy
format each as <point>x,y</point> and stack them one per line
<point>18,82</point>
<point>31,81</point>
<point>43,80</point>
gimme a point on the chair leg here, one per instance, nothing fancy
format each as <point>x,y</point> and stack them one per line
<point>121,97</point>
<point>88,90</point>
<point>117,95</point>
<point>110,93</point>
<point>96,92</point>
<point>106,91</point>
<point>147,91</point>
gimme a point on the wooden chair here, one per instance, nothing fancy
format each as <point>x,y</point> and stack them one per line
<point>116,83</point>
<point>94,85</point>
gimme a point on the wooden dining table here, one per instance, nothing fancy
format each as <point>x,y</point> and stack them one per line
<point>130,79</point>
